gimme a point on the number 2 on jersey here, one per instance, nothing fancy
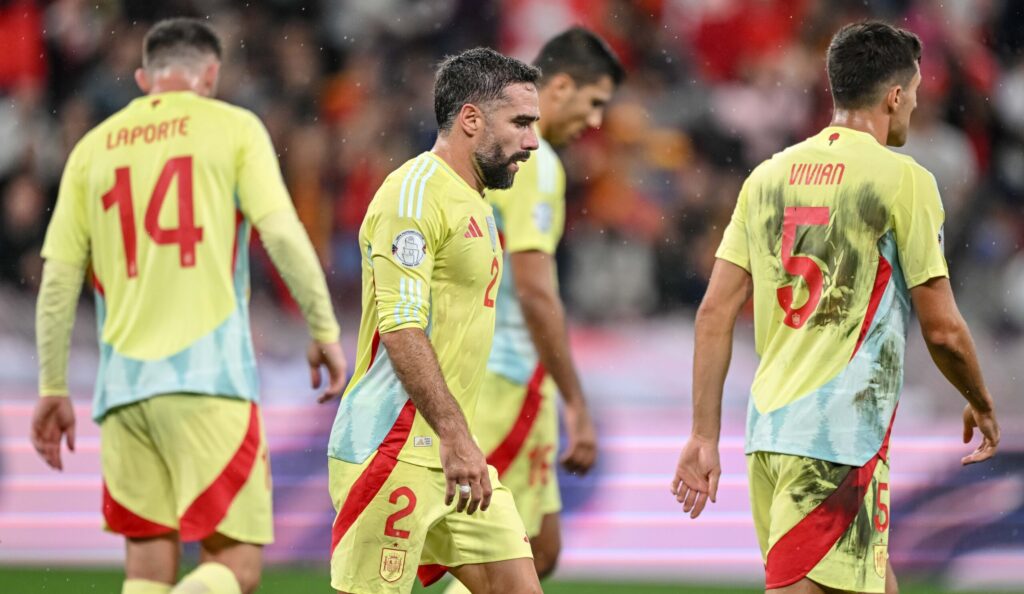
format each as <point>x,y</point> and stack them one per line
<point>802,266</point>
<point>488,300</point>
<point>186,235</point>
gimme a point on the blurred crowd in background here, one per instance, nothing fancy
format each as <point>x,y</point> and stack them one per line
<point>713,88</point>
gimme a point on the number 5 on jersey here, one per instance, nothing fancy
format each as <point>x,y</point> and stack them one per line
<point>186,235</point>
<point>802,266</point>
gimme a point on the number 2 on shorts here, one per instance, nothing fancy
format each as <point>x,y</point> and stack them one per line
<point>410,505</point>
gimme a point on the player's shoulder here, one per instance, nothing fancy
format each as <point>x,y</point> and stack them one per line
<point>414,188</point>
<point>912,168</point>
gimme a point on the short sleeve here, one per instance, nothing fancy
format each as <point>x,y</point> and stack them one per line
<point>403,250</point>
<point>918,220</point>
<point>261,188</point>
<point>734,247</point>
<point>531,219</point>
<point>67,237</point>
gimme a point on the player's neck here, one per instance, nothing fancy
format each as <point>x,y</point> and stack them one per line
<point>460,159</point>
<point>869,122</point>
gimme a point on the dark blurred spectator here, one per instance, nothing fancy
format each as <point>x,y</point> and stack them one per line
<point>712,89</point>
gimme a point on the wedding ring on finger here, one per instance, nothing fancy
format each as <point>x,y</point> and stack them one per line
<point>465,490</point>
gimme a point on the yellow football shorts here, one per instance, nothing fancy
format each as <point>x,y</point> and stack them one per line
<point>517,426</point>
<point>392,522</point>
<point>187,463</point>
<point>823,521</point>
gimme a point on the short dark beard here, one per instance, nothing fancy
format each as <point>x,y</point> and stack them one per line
<point>493,165</point>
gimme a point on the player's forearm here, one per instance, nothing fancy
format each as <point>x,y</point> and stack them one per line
<point>55,318</point>
<point>952,349</point>
<point>289,248</point>
<point>545,318</point>
<point>712,353</point>
<point>416,365</point>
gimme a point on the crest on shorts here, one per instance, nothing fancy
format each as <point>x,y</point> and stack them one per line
<point>881,557</point>
<point>392,564</point>
<point>409,247</point>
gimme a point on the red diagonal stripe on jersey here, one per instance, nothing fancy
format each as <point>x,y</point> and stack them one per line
<point>798,551</point>
<point>882,276</point>
<point>503,455</point>
<point>374,476</point>
<point>476,228</point>
<point>125,522</point>
<point>206,511</point>
<point>234,248</point>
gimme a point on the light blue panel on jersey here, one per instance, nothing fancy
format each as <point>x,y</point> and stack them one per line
<point>845,420</point>
<point>367,413</point>
<point>512,353</point>
<point>222,363</point>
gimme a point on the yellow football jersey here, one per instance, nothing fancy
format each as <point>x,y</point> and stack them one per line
<point>431,260</point>
<point>159,200</point>
<point>530,217</point>
<point>834,230</point>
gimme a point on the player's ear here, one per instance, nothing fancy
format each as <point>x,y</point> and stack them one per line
<point>142,79</point>
<point>561,86</point>
<point>470,119</point>
<point>894,98</point>
<point>210,76</point>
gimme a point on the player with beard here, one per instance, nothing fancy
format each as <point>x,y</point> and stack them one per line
<point>517,417</point>
<point>401,452</point>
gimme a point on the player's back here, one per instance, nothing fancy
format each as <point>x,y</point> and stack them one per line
<point>162,194</point>
<point>833,231</point>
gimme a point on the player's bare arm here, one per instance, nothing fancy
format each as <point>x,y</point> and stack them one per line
<point>952,348</point>
<point>417,368</point>
<point>696,478</point>
<point>534,276</point>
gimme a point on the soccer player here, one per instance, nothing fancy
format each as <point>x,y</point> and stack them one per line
<point>401,449</point>
<point>835,237</point>
<point>516,418</point>
<point>159,200</point>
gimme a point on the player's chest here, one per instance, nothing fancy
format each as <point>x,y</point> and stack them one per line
<point>471,259</point>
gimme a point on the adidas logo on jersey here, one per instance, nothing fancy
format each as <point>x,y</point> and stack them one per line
<point>474,229</point>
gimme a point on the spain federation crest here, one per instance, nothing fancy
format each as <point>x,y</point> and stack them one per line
<point>881,557</point>
<point>392,564</point>
<point>409,247</point>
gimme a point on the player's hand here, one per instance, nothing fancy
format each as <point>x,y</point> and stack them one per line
<point>330,355</point>
<point>581,448</point>
<point>697,475</point>
<point>465,464</point>
<point>989,428</point>
<point>53,418</point>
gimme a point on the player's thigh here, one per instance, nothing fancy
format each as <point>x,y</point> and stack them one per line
<point>138,493</point>
<point>825,529</point>
<point>385,509</point>
<point>154,559</point>
<point>245,560</point>
<point>216,451</point>
<point>496,534</point>
<point>547,545</point>
<point>513,576</point>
